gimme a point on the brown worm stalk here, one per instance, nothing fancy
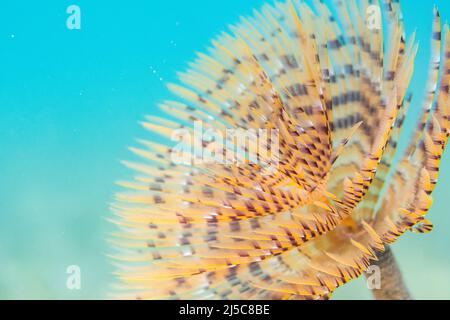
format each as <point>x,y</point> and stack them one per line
<point>393,286</point>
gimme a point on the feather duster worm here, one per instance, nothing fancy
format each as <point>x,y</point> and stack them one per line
<point>335,91</point>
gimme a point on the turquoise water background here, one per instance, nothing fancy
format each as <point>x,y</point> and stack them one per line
<point>70,102</point>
